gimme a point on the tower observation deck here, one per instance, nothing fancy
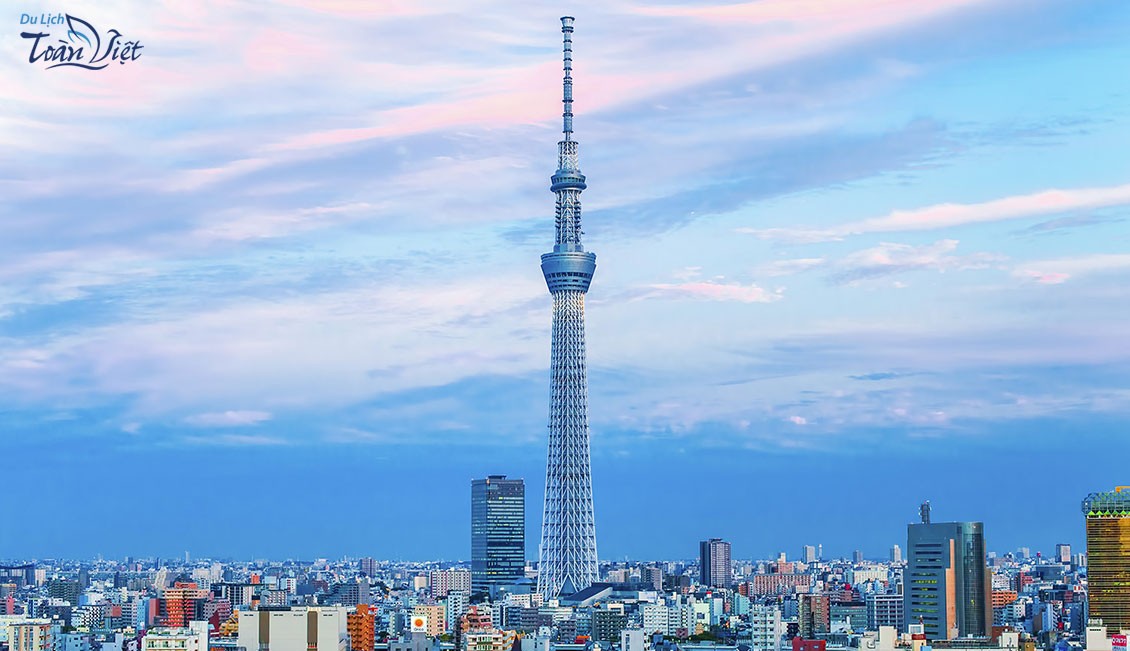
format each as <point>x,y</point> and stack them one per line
<point>567,560</point>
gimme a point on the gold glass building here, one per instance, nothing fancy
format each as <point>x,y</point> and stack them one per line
<point>1108,557</point>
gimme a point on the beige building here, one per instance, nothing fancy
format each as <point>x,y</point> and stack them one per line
<point>436,622</point>
<point>25,634</point>
<point>494,640</point>
<point>294,629</point>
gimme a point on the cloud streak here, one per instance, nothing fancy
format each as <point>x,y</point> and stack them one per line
<point>953,215</point>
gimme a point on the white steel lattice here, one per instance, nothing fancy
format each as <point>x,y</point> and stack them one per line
<point>567,554</point>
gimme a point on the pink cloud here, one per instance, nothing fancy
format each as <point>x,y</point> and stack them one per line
<point>712,291</point>
<point>1027,205</point>
<point>1044,278</point>
<point>948,215</point>
<point>1055,272</point>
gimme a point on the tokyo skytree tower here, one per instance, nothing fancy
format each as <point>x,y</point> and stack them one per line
<point>567,554</point>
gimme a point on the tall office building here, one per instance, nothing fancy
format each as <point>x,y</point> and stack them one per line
<point>567,554</point>
<point>808,554</point>
<point>498,532</point>
<point>1108,557</point>
<point>896,554</point>
<point>368,566</point>
<point>857,556</point>
<point>714,563</point>
<point>1063,553</point>
<point>947,584</point>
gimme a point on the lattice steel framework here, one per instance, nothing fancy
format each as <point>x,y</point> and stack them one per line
<point>567,554</point>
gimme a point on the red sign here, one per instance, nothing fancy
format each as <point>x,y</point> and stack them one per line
<point>1118,641</point>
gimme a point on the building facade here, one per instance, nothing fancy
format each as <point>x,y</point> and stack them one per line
<point>361,624</point>
<point>947,583</point>
<point>885,610</point>
<point>765,628</point>
<point>498,532</point>
<point>1108,557</point>
<point>294,629</point>
<point>441,582</point>
<point>714,566</point>
<point>194,637</point>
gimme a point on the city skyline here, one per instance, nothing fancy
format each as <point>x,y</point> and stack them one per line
<point>842,244</point>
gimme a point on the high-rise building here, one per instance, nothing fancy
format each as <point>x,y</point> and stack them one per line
<point>1063,553</point>
<point>809,554</point>
<point>896,554</point>
<point>814,616</point>
<point>857,556</point>
<point>607,624</point>
<point>434,620</point>
<point>1108,557</point>
<point>361,625</point>
<point>498,532</point>
<point>368,566</point>
<point>714,563</point>
<point>181,604</point>
<point>442,582</point>
<point>946,582</point>
<point>765,628</point>
<point>567,554</point>
<point>884,610</point>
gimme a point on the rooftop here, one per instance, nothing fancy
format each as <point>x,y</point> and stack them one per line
<point>1114,504</point>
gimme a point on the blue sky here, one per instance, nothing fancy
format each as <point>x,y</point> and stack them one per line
<point>852,254</point>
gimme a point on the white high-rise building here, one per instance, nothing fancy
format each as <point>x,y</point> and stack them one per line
<point>765,628</point>
<point>193,638</point>
<point>656,619</point>
<point>456,606</point>
<point>634,639</point>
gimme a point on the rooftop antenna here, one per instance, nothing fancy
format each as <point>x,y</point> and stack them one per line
<point>924,512</point>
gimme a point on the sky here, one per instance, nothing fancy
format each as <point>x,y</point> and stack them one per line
<point>271,289</point>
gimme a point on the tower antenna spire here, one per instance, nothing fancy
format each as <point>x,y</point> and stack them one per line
<point>567,86</point>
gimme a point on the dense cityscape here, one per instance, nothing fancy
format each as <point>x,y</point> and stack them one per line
<point>944,586</point>
<point>941,588</point>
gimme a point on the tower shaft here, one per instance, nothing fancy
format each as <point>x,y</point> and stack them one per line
<point>567,554</point>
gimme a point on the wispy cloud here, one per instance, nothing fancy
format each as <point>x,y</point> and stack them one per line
<point>889,258</point>
<point>231,418</point>
<point>790,267</point>
<point>715,291</point>
<point>233,440</point>
<point>950,215</point>
<point>1055,272</point>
